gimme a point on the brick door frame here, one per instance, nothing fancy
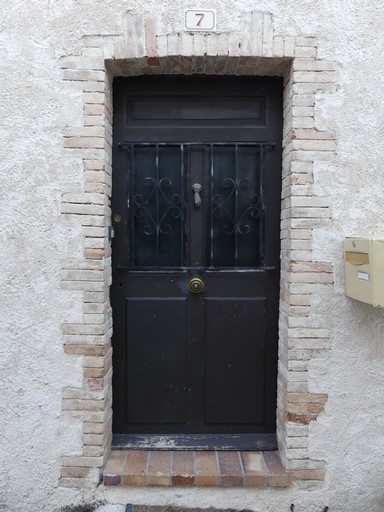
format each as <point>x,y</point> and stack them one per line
<point>254,50</point>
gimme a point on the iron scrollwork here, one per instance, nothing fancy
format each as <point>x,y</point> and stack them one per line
<point>143,206</point>
<point>221,206</point>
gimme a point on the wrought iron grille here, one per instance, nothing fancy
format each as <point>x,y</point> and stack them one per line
<point>233,204</point>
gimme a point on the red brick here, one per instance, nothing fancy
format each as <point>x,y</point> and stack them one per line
<point>159,468</point>
<point>183,468</point>
<point>307,474</point>
<point>115,467</point>
<point>255,470</point>
<point>96,254</point>
<point>136,468</point>
<point>207,473</point>
<point>302,419</point>
<point>231,473</point>
<point>75,472</point>
<point>307,397</point>
<point>95,384</point>
<point>153,62</point>
<point>277,476</point>
<point>86,350</point>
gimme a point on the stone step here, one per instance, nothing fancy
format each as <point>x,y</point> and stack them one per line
<point>198,468</point>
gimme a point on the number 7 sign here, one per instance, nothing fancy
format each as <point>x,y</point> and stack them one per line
<point>200,19</point>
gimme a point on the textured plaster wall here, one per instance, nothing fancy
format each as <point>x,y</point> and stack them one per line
<point>35,106</point>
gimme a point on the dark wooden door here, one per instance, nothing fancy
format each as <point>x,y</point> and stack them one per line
<point>196,201</point>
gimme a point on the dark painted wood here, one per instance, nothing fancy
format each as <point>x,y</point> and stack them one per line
<point>156,365</point>
<point>209,92</point>
<point>195,442</point>
<point>189,363</point>
<point>234,360</point>
<point>202,109</point>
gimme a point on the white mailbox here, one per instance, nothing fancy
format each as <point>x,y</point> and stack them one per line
<point>364,270</point>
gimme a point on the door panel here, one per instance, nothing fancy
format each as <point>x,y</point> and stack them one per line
<point>156,381</point>
<point>234,360</point>
<point>185,362</point>
<point>205,110</point>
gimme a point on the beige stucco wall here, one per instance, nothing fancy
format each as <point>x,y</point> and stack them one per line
<point>35,109</point>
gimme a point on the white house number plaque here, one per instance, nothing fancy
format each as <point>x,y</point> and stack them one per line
<point>200,19</point>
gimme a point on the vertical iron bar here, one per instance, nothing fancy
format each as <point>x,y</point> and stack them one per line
<point>157,205</point>
<point>262,212</point>
<point>182,147</point>
<point>182,227</point>
<point>211,207</point>
<point>130,209</point>
<point>236,202</point>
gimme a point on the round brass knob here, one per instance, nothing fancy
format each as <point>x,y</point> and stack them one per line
<point>196,284</point>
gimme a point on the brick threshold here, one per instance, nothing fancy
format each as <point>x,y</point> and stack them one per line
<point>195,468</point>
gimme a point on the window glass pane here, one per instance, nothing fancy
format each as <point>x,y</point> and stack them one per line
<point>157,206</point>
<point>236,218</point>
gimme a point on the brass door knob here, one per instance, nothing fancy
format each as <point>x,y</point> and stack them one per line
<point>196,284</point>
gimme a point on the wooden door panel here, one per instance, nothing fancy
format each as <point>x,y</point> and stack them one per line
<point>205,110</point>
<point>156,344</point>
<point>234,360</point>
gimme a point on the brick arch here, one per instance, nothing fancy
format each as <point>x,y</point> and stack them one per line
<point>254,50</point>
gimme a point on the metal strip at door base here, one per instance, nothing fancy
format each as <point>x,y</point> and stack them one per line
<point>223,442</point>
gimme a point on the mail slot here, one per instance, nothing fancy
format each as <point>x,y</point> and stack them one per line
<point>364,270</point>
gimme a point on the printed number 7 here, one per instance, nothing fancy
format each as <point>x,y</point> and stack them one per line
<point>200,20</point>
